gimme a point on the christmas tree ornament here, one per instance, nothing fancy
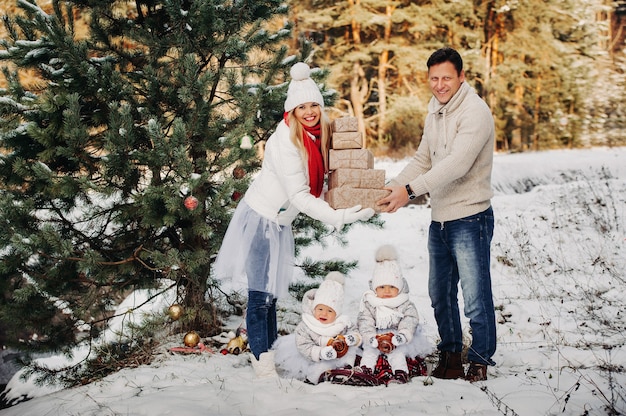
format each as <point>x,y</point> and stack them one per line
<point>246,142</point>
<point>237,345</point>
<point>191,202</point>
<point>191,339</point>
<point>239,172</point>
<point>175,311</point>
<point>235,196</point>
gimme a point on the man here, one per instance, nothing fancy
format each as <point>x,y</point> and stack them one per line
<point>453,163</point>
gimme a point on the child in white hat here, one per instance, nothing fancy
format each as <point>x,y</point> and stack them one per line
<point>388,320</point>
<point>324,339</point>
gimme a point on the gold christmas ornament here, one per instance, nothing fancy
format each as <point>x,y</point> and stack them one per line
<point>175,311</point>
<point>191,339</point>
<point>237,345</point>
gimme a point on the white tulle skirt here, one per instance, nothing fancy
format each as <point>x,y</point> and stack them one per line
<point>239,271</point>
<point>291,364</point>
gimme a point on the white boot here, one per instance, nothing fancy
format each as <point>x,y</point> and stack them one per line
<point>264,367</point>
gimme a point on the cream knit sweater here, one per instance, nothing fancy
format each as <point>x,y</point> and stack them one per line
<point>454,159</point>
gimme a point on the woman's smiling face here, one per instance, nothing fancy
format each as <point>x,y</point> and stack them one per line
<point>308,114</point>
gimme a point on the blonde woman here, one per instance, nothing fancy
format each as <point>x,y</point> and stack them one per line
<point>258,249</point>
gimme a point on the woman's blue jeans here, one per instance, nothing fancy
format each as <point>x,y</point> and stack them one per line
<point>261,311</point>
<point>261,321</point>
<point>460,251</point>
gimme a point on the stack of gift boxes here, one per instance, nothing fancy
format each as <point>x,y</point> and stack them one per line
<point>352,179</point>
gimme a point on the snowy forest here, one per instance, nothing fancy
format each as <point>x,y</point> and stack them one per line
<point>117,117</point>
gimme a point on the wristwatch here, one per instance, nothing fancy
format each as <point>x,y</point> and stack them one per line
<point>410,192</point>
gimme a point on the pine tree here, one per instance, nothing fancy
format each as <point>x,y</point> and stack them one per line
<point>123,121</point>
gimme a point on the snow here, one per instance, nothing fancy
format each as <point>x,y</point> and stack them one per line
<point>558,279</point>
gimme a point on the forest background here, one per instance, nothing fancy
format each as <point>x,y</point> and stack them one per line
<point>553,72</point>
<point>114,113</point>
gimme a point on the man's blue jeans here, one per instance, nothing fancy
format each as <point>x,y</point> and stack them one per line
<point>459,251</point>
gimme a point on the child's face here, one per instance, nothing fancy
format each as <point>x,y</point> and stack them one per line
<point>387,291</point>
<point>308,114</point>
<point>324,314</point>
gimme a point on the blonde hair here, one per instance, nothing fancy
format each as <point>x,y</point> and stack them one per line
<point>296,132</point>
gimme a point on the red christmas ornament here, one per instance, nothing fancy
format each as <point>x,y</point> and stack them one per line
<point>239,172</point>
<point>191,203</point>
<point>235,196</point>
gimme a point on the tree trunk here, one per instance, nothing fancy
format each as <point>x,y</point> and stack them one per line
<point>358,93</point>
<point>382,78</point>
<point>358,84</point>
<point>535,144</point>
<point>490,33</point>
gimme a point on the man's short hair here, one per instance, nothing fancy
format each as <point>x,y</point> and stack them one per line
<point>446,55</point>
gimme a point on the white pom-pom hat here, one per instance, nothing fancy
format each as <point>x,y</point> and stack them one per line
<point>387,270</point>
<point>330,292</point>
<point>302,89</point>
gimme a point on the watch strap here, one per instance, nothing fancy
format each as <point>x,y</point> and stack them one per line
<point>410,191</point>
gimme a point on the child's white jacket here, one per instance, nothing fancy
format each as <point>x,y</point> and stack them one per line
<point>397,315</point>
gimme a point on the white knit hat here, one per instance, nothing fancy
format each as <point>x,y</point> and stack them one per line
<point>302,89</point>
<point>330,292</point>
<point>387,270</point>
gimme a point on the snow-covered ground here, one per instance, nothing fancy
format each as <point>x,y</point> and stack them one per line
<point>559,283</point>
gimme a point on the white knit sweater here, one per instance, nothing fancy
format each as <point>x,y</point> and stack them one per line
<point>454,159</point>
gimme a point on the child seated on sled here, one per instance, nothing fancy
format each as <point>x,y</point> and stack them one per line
<point>324,339</point>
<point>388,320</point>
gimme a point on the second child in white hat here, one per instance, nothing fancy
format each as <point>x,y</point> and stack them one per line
<point>388,319</point>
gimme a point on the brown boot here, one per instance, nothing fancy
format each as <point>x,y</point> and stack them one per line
<point>449,366</point>
<point>476,372</point>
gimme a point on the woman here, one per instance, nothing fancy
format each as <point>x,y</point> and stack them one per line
<point>258,248</point>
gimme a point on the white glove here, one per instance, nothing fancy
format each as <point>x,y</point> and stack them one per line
<point>355,213</point>
<point>352,340</point>
<point>328,353</point>
<point>398,339</point>
<point>320,210</point>
<point>374,342</point>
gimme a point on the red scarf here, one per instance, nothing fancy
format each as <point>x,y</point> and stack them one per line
<point>314,151</point>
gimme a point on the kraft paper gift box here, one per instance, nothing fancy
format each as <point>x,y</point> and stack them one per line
<point>345,124</point>
<point>350,158</point>
<point>347,140</point>
<point>346,197</point>
<point>357,178</point>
